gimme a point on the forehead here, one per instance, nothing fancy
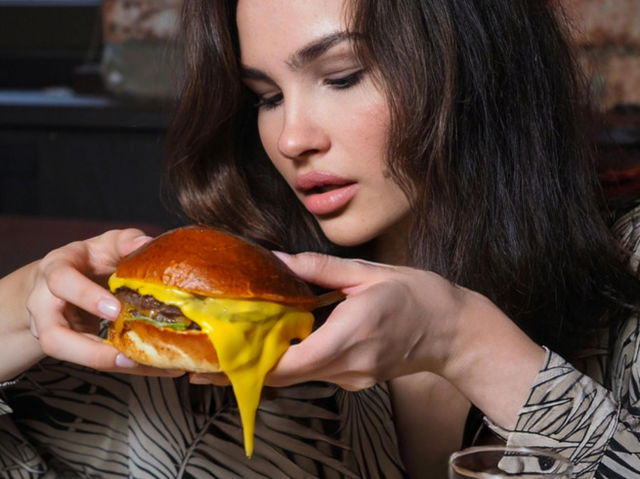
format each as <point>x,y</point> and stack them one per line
<point>271,29</point>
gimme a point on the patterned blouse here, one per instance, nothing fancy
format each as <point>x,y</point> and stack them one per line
<point>66,421</point>
<point>60,420</point>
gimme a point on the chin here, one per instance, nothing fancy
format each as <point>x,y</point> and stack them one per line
<point>353,232</point>
<point>349,236</point>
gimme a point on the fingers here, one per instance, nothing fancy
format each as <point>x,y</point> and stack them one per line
<point>65,283</point>
<point>61,342</point>
<point>333,272</point>
<point>91,351</point>
<point>108,249</point>
<point>290,370</point>
<point>63,271</point>
<point>315,357</point>
<point>126,365</point>
<point>61,292</point>
<point>348,349</point>
<point>217,379</point>
<point>351,380</point>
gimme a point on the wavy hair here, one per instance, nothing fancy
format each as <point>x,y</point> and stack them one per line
<point>486,139</point>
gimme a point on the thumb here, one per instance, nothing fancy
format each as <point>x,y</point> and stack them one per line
<point>108,249</point>
<point>331,271</point>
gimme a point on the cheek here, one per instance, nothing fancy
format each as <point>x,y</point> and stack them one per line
<point>367,117</point>
<point>367,131</point>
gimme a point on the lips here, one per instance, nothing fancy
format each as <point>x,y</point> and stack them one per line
<point>325,193</point>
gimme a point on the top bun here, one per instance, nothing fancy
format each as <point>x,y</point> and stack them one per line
<point>208,262</point>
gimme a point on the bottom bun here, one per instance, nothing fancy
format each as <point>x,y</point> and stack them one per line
<point>189,350</point>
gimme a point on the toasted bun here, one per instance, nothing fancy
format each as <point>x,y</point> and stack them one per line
<point>208,262</point>
<point>165,348</point>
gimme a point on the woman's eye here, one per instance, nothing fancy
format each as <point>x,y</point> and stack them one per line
<point>269,102</point>
<point>345,82</point>
<point>340,83</point>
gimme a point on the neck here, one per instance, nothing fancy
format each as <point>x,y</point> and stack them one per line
<point>392,246</point>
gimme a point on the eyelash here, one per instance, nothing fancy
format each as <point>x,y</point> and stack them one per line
<point>342,83</point>
<point>269,103</point>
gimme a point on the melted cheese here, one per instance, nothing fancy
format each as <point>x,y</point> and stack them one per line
<point>249,337</point>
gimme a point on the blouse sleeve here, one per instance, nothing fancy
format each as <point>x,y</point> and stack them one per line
<point>574,415</point>
<point>4,407</point>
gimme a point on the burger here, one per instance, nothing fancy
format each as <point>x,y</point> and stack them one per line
<point>201,300</point>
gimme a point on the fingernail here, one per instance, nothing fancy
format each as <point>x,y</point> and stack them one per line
<point>124,362</point>
<point>109,308</point>
<point>282,255</point>
<point>197,379</point>
<point>142,239</point>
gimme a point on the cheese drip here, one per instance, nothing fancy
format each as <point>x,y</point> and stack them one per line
<point>249,337</point>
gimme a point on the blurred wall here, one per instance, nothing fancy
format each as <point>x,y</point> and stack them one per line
<point>607,39</point>
<point>83,112</point>
<point>43,46</point>
<point>607,35</point>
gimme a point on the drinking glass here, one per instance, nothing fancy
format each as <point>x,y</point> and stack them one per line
<point>499,462</point>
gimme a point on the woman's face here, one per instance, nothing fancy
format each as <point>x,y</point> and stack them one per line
<point>322,120</point>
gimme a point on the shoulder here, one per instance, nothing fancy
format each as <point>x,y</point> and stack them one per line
<point>625,375</point>
<point>626,231</point>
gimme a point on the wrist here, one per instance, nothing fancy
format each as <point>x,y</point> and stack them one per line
<point>18,352</point>
<point>19,349</point>
<point>14,292</point>
<point>470,339</point>
<point>491,361</point>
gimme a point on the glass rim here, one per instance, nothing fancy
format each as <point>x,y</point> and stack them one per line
<point>505,448</point>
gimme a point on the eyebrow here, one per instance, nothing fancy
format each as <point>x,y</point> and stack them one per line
<point>303,56</point>
<point>317,48</point>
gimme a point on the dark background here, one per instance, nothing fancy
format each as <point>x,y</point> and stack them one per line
<point>74,161</point>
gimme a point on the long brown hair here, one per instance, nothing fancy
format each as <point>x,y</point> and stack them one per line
<point>485,138</point>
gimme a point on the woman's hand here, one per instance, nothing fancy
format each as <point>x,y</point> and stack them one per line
<point>54,306</point>
<point>397,321</point>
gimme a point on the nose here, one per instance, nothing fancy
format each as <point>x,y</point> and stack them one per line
<point>303,132</point>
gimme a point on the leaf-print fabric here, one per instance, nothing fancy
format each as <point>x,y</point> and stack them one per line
<point>61,420</point>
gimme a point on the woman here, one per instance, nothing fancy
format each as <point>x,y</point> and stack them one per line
<point>438,139</point>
